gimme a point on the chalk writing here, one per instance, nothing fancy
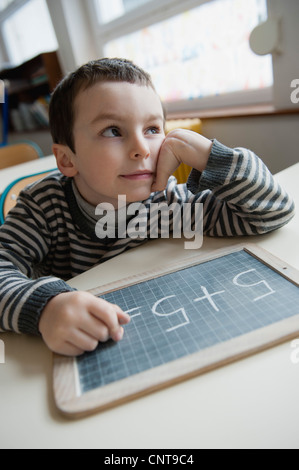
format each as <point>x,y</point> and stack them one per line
<point>209,297</point>
<point>133,310</point>
<point>239,280</point>
<point>182,310</point>
<point>191,310</point>
<point>270,290</point>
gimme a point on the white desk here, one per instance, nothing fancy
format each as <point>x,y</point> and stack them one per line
<point>252,403</point>
<point>8,175</point>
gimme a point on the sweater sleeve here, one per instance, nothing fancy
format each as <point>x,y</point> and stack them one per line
<point>239,194</point>
<point>24,243</point>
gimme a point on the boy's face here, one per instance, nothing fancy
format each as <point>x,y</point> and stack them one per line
<point>118,132</point>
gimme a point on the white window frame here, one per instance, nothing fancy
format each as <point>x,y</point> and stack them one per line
<point>151,13</point>
<point>81,38</point>
<point>4,15</point>
<point>72,27</point>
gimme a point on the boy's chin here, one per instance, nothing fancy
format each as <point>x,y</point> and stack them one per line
<point>139,196</point>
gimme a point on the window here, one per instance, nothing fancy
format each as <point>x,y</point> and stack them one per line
<point>197,57</point>
<point>27,30</point>
<point>109,10</point>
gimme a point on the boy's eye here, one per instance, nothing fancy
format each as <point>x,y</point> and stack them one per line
<point>111,132</point>
<point>153,130</point>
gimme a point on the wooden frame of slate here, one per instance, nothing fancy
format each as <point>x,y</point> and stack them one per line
<point>187,318</point>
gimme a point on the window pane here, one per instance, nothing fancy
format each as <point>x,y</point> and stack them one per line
<point>29,32</point>
<point>202,52</point>
<point>111,9</point>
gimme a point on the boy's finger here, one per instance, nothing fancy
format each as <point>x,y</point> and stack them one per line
<point>166,165</point>
<point>158,187</point>
<point>68,349</point>
<point>110,315</point>
<point>123,317</point>
<point>160,182</point>
<point>118,334</point>
<point>85,341</point>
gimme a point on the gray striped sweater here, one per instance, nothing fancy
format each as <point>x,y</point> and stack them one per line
<point>46,239</point>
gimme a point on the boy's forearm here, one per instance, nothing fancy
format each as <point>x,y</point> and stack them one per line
<point>23,300</point>
<point>245,196</point>
<point>22,295</point>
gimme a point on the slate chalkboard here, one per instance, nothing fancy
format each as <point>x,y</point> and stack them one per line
<point>187,320</point>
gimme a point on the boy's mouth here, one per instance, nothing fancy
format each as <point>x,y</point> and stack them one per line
<point>139,175</point>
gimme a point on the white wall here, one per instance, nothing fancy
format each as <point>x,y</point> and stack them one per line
<point>275,139</point>
<point>286,63</point>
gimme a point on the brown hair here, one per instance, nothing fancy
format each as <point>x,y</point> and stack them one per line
<point>61,112</point>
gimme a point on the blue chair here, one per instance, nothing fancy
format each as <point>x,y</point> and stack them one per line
<point>19,152</point>
<point>9,197</point>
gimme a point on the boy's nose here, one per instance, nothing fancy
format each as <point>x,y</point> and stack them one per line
<point>139,149</point>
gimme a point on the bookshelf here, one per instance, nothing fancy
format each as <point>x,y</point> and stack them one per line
<point>28,87</point>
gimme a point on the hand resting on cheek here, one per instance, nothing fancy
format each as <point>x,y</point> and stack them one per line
<point>180,146</point>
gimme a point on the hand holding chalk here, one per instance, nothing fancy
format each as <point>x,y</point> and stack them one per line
<point>75,322</point>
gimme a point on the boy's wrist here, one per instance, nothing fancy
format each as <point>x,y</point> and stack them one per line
<point>218,167</point>
<point>34,306</point>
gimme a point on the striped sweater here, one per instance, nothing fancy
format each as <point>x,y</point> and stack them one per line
<point>47,239</point>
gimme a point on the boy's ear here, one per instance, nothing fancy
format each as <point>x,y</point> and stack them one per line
<point>65,160</point>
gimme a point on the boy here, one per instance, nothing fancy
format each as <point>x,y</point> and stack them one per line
<point>107,125</point>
